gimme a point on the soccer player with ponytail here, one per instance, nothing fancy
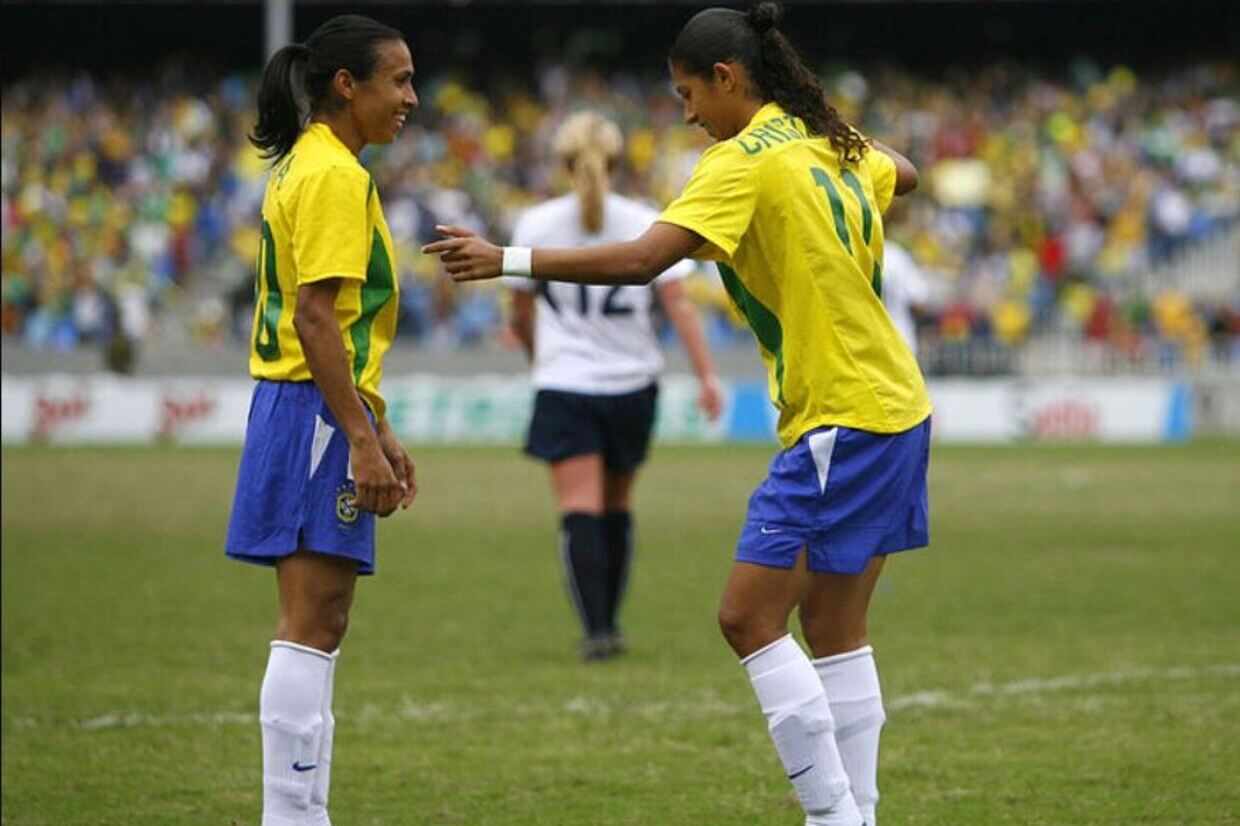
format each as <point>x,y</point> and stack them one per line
<point>596,366</point>
<point>789,202</point>
<point>320,459</point>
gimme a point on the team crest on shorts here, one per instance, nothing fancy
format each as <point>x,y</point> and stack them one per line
<point>346,504</point>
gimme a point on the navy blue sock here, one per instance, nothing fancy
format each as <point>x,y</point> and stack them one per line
<point>585,568</point>
<point>618,539</point>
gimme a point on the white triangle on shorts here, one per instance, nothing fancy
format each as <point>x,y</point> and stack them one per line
<point>821,446</point>
<point>318,446</point>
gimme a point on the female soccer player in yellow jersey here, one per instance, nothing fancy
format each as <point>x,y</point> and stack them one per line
<point>320,460</point>
<point>789,203</point>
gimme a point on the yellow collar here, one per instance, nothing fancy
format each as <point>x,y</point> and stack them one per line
<point>767,112</point>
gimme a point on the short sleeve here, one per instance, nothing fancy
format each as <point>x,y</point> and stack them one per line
<point>718,202</point>
<point>883,175</point>
<point>330,223</point>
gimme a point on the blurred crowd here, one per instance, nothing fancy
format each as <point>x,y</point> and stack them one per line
<point>1047,200</point>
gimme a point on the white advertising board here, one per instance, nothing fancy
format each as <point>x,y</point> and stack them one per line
<point>495,410</point>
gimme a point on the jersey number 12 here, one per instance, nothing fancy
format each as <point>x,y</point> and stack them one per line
<point>611,305</point>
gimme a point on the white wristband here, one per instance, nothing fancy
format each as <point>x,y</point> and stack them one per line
<point>517,261</point>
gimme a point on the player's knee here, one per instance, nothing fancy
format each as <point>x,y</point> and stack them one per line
<point>334,624</point>
<point>732,624</point>
<point>322,628</point>
<point>746,630</point>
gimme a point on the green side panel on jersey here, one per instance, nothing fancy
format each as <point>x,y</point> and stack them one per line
<point>837,205</point>
<point>876,279</point>
<point>867,217</point>
<point>764,323</point>
<point>267,332</point>
<point>375,293</point>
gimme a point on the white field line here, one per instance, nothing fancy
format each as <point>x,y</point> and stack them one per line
<point>706,706</point>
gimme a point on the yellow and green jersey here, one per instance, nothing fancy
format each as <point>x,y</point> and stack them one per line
<point>798,237</point>
<point>322,219</point>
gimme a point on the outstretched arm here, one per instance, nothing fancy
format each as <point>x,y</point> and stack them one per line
<point>521,320</point>
<point>466,257</point>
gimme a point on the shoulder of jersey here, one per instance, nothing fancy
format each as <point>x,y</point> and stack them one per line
<point>315,164</point>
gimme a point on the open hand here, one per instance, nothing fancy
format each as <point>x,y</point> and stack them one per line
<point>466,256</point>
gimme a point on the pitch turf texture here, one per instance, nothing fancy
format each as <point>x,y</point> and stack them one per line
<point>1068,652</point>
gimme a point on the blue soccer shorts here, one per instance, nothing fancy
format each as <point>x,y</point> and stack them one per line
<point>295,488</point>
<point>845,496</point>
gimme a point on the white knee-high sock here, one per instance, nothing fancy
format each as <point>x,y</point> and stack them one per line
<point>800,723</point>
<point>322,774</point>
<point>291,716</point>
<point>851,684</point>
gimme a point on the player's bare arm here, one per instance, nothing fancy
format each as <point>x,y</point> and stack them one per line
<point>522,321</point>
<point>468,257</point>
<point>906,173</point>
<point>378,488</point>
<point>679,309</point>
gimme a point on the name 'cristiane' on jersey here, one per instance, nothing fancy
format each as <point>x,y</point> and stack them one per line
<point>798,238</point>
<point>322,219</point>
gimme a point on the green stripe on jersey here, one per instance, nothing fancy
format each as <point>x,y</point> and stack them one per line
<point>837,206</point>
<point>867,218</point>
<point>764,323</point>
<point>374,294</point>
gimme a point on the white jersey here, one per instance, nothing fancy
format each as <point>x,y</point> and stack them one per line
<point>590,338</point>
<point>903,287</point>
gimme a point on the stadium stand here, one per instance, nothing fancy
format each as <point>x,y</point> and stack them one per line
<point>1083,219</point>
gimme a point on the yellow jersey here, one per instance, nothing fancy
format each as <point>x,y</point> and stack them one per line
<point>798,237</point>
<point>322,219</point>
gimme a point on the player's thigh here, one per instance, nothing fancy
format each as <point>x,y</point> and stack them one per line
<point>315,587</point>
<point>578,483</point>
<point>834,609</point>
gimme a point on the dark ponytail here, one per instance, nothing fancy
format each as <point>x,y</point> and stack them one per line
<point>721,35</point>
<point>298,79</point>
<point>279,118</point>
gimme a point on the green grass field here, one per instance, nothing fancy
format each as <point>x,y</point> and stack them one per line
<point>1068,652</point>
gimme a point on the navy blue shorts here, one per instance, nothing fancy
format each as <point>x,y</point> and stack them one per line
<point>576,424</point>
<point>845,496</point>
<point>295,487</point>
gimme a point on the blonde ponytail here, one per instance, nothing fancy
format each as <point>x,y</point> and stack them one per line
<point>588,143</point>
